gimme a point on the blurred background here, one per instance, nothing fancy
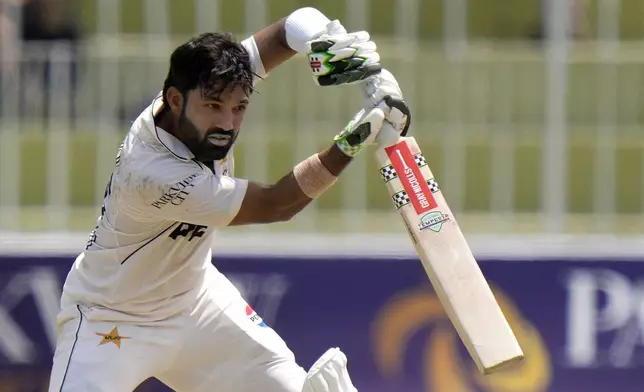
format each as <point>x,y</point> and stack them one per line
<point>529,115</point>
<point>528,112</point>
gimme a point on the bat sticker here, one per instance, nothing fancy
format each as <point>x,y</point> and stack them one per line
<point>401,198</point>
<point>411,178</point>
<point>433,221</point>
<point>388,173</point>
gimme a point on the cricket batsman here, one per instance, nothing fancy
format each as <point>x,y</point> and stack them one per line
<point>143,299</point>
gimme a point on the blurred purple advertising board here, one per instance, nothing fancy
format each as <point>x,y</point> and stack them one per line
<point>580,323</point>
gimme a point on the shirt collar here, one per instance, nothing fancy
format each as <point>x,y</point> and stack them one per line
<point>167,140</point>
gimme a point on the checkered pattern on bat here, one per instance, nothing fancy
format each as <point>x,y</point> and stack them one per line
<point>420,160</point>
<point>401,198</point>
<point>433,185</point>
<point>388,172</point>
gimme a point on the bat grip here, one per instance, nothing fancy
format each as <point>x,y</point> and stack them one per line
<point>387,137</point>
<point>404,109</point>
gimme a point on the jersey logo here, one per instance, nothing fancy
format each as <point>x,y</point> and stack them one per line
<point>188,230</point>
<point>177,193</point>
<point>112,337</point>
<point>254,317</point>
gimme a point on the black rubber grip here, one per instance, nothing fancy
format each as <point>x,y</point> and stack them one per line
<point>402,106</point>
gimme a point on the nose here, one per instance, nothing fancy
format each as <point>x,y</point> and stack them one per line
<point>225,119</point>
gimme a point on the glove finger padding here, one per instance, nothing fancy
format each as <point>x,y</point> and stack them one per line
<point>332,43</point>
<point>382,85</point>
<point>379,95</point>
<point>385,87</point>
<point>365,50</point>
<point>348,77</point>
<point>335,27</point>
<point>361,131</point>
<point>343,58</point>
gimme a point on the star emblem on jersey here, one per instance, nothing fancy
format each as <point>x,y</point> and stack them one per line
<point>112,337</point>
<point>388,172</point>
<point>401,198</point>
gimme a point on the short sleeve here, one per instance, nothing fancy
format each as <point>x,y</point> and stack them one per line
<point>255,58</point>
<point>197,197</point>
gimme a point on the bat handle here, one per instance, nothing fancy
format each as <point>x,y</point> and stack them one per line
<point>387,137</point>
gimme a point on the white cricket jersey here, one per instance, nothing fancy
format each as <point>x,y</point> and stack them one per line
<point>150,253</point>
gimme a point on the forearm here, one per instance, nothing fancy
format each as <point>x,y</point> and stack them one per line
<point>334,160</point>
<point>272,46</point>
<point>306,182</point>
<point>292,193</point>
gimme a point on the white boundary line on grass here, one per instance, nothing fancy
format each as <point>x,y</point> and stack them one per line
<point>506,247</point>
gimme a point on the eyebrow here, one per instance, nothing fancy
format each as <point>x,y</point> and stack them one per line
<point>213,99</point>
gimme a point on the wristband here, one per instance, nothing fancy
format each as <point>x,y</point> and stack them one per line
<point>313,177</point>
<point>302,26</point>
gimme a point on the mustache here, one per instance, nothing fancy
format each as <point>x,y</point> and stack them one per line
<point>220,131</point>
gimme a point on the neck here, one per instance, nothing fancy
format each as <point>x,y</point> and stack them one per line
<point>164,120</point>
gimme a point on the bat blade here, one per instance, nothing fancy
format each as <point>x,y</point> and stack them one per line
<point>446,256</point>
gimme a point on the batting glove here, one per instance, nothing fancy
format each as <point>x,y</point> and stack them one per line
<point>362,130</point>
<point>385,87</point>
<point>337,57</point>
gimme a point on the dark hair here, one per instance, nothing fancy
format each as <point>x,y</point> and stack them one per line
<point>212,61</point>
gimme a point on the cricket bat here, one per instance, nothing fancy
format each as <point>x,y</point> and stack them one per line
<point>445,254</point>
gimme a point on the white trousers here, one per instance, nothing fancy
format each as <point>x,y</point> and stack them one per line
<point>209,349</point>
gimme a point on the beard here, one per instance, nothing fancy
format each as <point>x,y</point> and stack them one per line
<point>202,148</point>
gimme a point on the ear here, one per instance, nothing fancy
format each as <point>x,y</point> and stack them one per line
<point>176,100</point>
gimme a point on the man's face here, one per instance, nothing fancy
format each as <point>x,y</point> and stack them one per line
<point>209,125</point>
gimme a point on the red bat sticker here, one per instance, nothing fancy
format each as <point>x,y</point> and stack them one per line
<point>411,178</point>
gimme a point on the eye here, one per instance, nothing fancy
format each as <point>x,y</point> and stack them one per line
<point>213,106</point>
<point>240,108</point>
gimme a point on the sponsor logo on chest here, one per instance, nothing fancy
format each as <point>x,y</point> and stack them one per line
<point>177,193</point>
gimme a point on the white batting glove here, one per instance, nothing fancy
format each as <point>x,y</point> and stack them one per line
<point>385,113</point>
<point>381,85</point>
<point>337,57</point>
<point>385,87</point>
<point>362,130</point>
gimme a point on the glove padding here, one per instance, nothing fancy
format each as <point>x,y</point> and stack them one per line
<point>337,57</point>
<point>385,87</point>
<point>362,130</point>
<point>384,118</point>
